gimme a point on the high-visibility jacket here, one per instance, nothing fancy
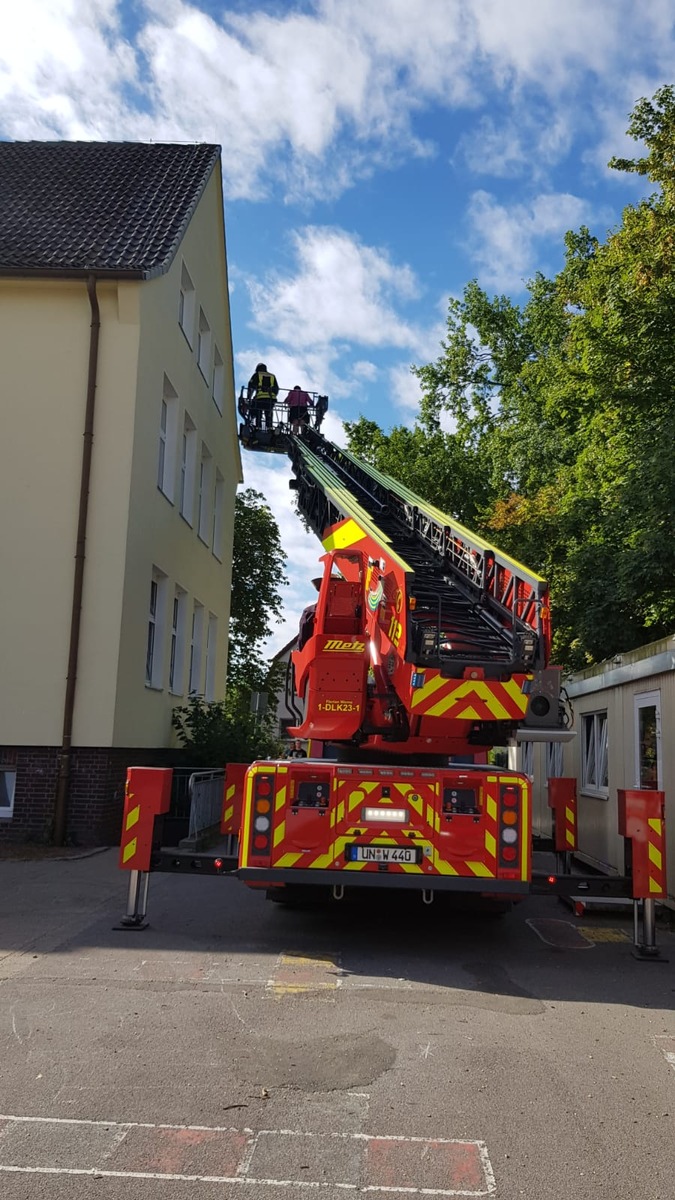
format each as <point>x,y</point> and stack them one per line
<point>263,385</point>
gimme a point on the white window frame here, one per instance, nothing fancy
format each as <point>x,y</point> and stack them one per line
<point>648,700</point>
<point>211,657</point>
<point>154,646</point>
<point>8,791</point>
<point>218,503</point>
<point>204,345</point>
<point>594,754</point>
<point>218,389</point>
<point>527,759</point>
<point>188,469</point>
<point>204,494</point>
<point>554,760</point>
<point>177,643</point>
<point>187,304</point>
<point>168,438</point>
<point>196,641</point>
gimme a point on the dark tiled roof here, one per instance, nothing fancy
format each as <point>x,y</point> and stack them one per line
<point>110,207</point>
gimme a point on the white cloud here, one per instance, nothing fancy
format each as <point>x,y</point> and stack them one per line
<point>504,239</point>
<point>341,290</point>
<point>312,99</point>
<point>405,390</point>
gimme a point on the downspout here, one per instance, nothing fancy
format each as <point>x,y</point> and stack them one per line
<point>63,782</point>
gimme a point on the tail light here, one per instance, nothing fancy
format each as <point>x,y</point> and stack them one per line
<point>261,816</point>
<point>509,826</point>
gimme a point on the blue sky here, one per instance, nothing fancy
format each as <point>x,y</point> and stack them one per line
<point>377,154</point>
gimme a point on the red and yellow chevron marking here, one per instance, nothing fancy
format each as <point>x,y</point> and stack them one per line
<point>147,794</point>
<point>347,533</point>
<point>491,832</point>
<point>656,850</point>
<point>469,699</point>
<point>570,826</point>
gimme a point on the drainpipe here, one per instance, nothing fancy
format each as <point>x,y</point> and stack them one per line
<point>63,782</point>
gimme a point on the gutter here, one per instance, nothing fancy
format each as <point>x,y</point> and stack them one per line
<point>65,759</point>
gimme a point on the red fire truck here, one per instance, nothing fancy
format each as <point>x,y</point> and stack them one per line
<point>426,647</point>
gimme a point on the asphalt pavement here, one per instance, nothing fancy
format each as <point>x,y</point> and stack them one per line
<point>239,1049</point>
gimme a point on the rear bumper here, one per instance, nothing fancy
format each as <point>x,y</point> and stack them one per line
<point>382,879</point>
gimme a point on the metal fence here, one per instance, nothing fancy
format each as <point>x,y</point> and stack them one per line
<point>205,789</point>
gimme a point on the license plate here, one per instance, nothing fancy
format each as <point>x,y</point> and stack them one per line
<point>384,854</point>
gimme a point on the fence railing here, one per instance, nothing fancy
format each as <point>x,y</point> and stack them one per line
<point>205,789</point>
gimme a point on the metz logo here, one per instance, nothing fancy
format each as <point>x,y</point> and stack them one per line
<point>351,647</point>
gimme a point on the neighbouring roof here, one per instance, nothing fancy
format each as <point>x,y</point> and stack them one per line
<point>115,208</point>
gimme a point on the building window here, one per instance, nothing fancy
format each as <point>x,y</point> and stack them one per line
<point>7,789</point>
<point>594,764</point>
<point>204,497</point>
<point>188,469</point>
<point>554,760</point>
<point>154,656</point>
<point>218,390</point>
<point>211,649</point>
<point>218,502</point>
<point>168,426</point>
<point>196,637</point>
<point>186,305</point>
<point>204,346</point>
<point>177,653</point>
<point>648,768</point>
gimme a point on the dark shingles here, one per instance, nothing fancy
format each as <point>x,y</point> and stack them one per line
<point>109,207</point>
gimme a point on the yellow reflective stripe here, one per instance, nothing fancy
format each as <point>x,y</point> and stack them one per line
<point>569,837</point>
<point>491,844</point>
<point>230,792</point>
<point>324,860</point>
<point>444,867</point>
<point>655,856</point>
<point>569,813</point>
<point>431,686</point>
<point>491,807</point>
<point>287,860</point>
<point>279,834</point>
<point>129,850</point>
<point>479,868</point>
<point>346,535</point>
<point>524,824</point>
<point>133,817</point>
<point>280,798</point>
<point>654,885</point>
<point>655,824</point>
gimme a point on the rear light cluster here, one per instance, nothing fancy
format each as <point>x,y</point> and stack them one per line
<point>261,818</point>
<point>509,824</point>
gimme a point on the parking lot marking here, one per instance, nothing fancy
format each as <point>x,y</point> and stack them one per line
<point>295,973</point>
<point>356,1162</point>
<point>563,935</point>
<point>666,1044</point>
<point>603,933</point>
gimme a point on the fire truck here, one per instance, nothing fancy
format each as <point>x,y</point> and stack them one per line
<point>426,648</point>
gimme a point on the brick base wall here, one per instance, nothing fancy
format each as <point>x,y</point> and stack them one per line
<point>96,791</point>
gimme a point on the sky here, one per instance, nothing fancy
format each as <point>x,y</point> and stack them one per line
<point>377,155</point>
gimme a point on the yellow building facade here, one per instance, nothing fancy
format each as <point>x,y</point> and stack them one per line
<point>164,469</point>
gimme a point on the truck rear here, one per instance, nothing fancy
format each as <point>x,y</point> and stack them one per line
<point>320,823</point>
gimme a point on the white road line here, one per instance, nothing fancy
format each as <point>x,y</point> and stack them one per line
<point>668,1050</point>
<point>242,1177</point>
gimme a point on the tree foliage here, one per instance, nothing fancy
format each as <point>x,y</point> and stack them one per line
<point>258,563</point>
<point>562,448</point>
<point>218,732</point>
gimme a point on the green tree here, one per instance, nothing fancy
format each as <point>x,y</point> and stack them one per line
<point>258,575</point>
<point>224,731</point>
<point>563,409</point>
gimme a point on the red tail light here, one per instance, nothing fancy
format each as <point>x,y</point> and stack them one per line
<point>261,816</point>
<point>509,826</point>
